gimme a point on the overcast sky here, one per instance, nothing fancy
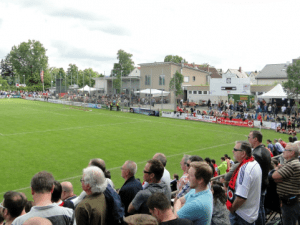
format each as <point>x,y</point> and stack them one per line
<point>224,33</point>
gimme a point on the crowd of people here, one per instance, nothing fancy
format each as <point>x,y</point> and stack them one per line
<point>238,197</point>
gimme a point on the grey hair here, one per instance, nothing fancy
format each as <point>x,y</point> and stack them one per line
<point>294,148</point>
<point>131,166</point>
<point>186,158</point>
<point>94,176</point>
<point>245,146</point>
<point>161,157</point>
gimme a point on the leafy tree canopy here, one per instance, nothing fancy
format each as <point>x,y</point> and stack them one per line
<point>292,86</point>
<point>176,83</point>
<point>174,59</point>
<point>125,64</point>
<point>28,59</point>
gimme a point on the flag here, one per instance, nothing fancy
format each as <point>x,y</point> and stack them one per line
<point>42,76</point>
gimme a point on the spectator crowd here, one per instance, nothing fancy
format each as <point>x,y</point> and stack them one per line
<point>234,192</point>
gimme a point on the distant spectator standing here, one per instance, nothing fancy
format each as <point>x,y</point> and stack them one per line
<point>184,179</point>
<point>215,166</point>
<point>131,186</point>
<point>283,144</point>
<point>287,178</point>
<point>270,145</point>
<point>223,166</point>
<point>228,162</point>
<point>278,146</point>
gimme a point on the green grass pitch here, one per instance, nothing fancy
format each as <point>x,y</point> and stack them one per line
<point>36,136</point>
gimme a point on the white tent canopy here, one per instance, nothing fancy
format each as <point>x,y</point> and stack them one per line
<point>87,88</point>
<point>275,92</point>
<point>153,92</point>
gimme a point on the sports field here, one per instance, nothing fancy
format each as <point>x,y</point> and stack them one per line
<point>36,136</point>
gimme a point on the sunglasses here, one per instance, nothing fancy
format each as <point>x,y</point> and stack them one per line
<point>236,150</point>
<point>147,172</point>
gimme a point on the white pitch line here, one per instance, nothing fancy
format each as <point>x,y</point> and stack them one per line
<point>114,168</point>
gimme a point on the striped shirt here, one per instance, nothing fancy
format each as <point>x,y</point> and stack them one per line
<point>290,173</point>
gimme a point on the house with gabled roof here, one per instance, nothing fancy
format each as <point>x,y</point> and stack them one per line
<point>239,73</point>
<point>272,73</point>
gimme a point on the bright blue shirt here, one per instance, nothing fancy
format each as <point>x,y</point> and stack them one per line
<point>198,207</point>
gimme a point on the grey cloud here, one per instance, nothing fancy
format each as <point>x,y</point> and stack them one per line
<point>66,51</point>
<point>110,29</point>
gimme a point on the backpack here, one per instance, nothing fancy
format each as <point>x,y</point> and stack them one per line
<point>115,209</point>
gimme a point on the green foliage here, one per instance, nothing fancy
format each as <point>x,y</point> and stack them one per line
<point>174,59</point>
<point>176,83</point>
<point>28,59</point>
<point>292,86</point>
<point>124,67</point>
<point>3,84</point>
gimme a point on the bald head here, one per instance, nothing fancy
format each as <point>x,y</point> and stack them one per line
<point>37,221</point>
<point>67,190</point>
<point>161,157</point>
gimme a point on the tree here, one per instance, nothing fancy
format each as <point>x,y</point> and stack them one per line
<point>292,86</point>
<point>124,67</point>
<point>28,59</point>
<point>72,73</point>
<point>176,85</point>
<point>6,67</point>
<point>174,59</point>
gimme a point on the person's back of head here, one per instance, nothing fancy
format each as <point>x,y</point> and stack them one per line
<point>57,191</point>
<point>37,221</point>
<point>67,190</point>
<point>218,193</point>
<point>100,163</point>
<point>14,202</point>
<point>196,158</point>
<point>257,134</point>
<point>158,200</point>
<point>42,182</point>
<point>207,160</point>
<point>157,168</point>
<point>94,177</point>
<point>161,157</point>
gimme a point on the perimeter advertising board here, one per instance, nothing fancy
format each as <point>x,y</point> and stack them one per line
<point>237,98</point>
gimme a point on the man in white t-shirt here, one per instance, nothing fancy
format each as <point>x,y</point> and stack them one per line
<point>244,188</point>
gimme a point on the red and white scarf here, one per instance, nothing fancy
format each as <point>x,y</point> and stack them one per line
<point>231,186</point>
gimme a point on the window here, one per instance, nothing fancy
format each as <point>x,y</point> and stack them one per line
<point>199,92</point>
<point>186,79</point>
<point>194,92</point>
<point>205,92</point>
<point>190,92</point>
<point>194,78</point>
<point>147,80</point>
<point>162,80</point>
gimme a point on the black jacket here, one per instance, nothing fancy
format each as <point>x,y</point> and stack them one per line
<point>262,156</point>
